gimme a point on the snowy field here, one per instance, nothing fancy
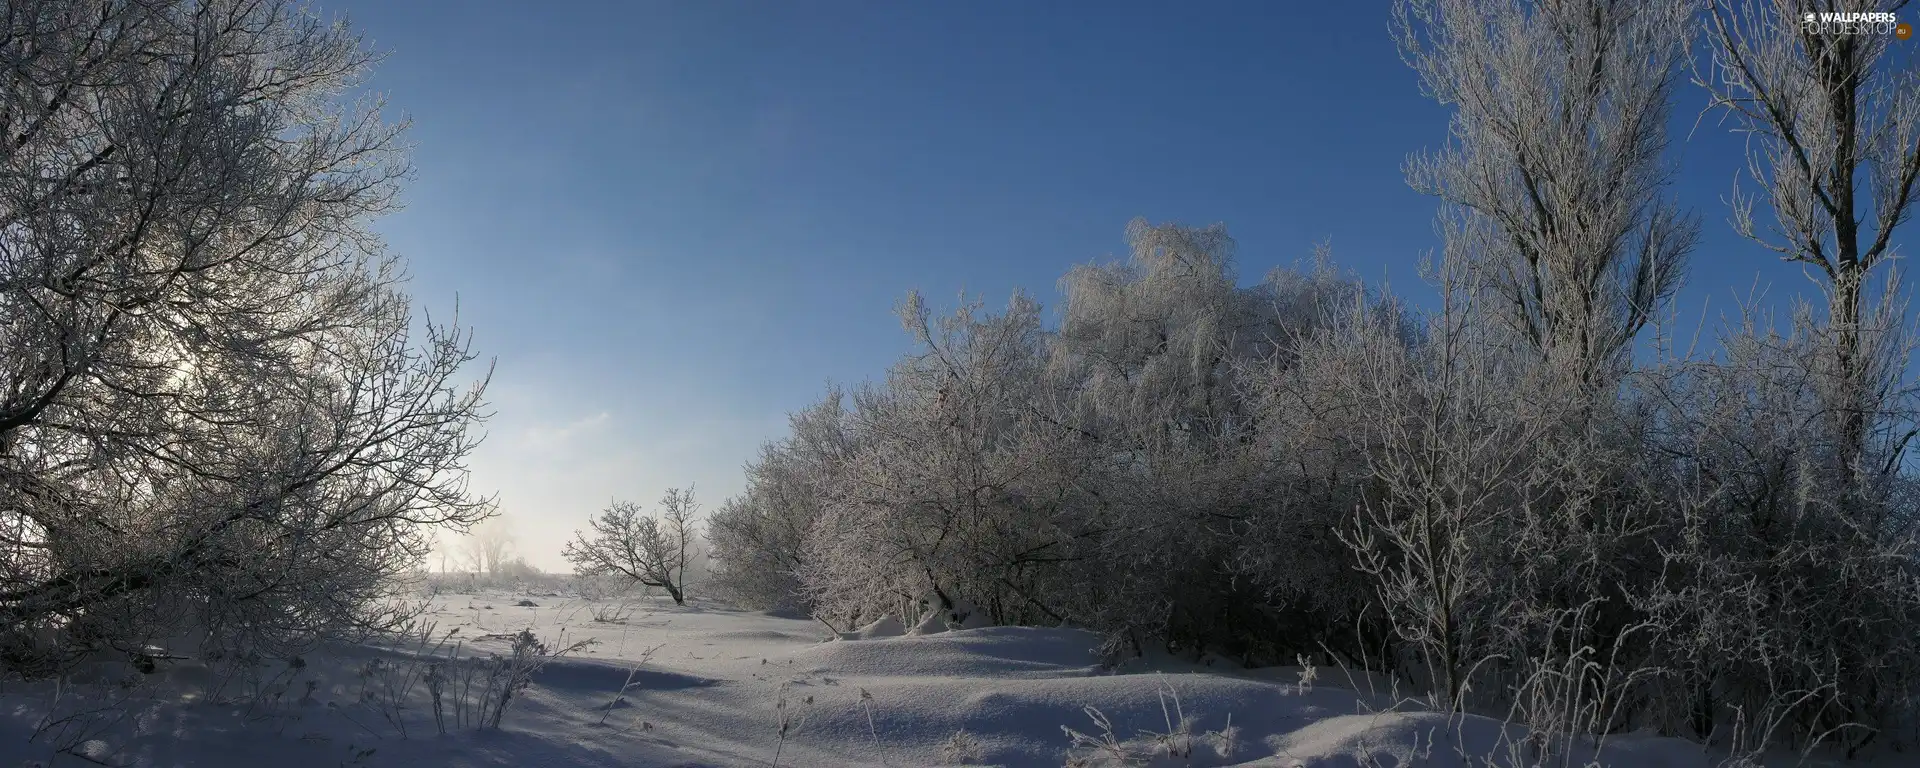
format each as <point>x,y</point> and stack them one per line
<point>707,685</point>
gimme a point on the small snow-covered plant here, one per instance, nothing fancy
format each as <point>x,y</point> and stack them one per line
<point>1225,741</point>
<point>387,684</point>
<point>783,723</point>
<point>360,755</point>
<point>267,697</point>
<point>279,701</point>
<point>621,695</point>
<point>475,692</point>
<point>1307,673</point>
<point>1087,750</point>
<point>228,666</point>
<point>1115,649</point>
<point>1568,699</point>
<point>1177,740</point>
<point>1414,752</point>
<point>384,685</point>
<point>509,675</point>
<point>443,687</point>
<point>612,613</point>
<point>787,719</point>
<point>592,588</point>
<point>960,748</point>
<point>1750,733</point>
<point>866,705</point>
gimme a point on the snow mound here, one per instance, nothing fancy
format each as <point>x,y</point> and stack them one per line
<point>884,627</point>
<point>931,624</point>
<point>708,686</point>
<point>999,652</point>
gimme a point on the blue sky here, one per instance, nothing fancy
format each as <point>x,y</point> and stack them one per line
<point>672,223</point>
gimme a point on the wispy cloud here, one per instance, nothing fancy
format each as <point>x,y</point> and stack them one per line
<point>557,438</point>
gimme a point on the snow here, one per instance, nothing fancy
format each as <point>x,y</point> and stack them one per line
<point>707,685</point>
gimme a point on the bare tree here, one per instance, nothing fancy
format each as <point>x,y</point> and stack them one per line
<point>488,546</point>
<point>1559,249</point>
<point>211,406</point>
<point>1444,469</point>
<point>1554,174</point>
<point>1834,122</point>
<point>1831,113</point>
<point>645,549</point>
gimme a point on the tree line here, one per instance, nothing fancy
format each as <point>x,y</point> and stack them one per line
<point>1529,498</point>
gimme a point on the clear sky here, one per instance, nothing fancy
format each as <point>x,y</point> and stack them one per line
<point>672,223</point>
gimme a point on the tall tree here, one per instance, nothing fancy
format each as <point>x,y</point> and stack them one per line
<point>1834,120</point>
<point>1553,176</point>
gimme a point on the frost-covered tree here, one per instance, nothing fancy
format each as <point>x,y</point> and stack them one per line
<point>1790,449</point>
<point>1790,582</point>
<point>1113,474</point>
<point>1503,530</point>
<point>1152,367</point>
<point>1154,337</point>
<point>648,550</point>
<point>216,407</point>
<point>1834,121</point>
<point>1554,174</point>
<point>941,505</point>
<point>1494,500</point>
<point>757,537</point>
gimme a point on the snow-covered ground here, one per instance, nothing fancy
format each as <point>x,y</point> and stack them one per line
<point>707,685</point>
